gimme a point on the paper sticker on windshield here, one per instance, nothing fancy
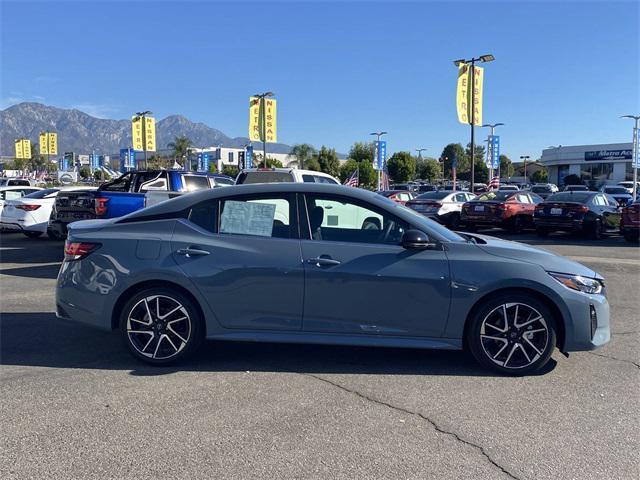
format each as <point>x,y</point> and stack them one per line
<point>247,218</point>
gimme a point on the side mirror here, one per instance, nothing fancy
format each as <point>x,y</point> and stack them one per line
<point>417,239</point>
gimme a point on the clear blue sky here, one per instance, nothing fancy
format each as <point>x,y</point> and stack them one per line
<point>564,71</point>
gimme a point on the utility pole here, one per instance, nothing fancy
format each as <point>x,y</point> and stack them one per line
<point>635,154</point>
<point>524,158</point>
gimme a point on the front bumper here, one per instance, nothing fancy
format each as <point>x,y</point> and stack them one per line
<point>584,332</point>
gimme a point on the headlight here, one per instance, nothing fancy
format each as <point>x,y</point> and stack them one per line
<point>579,283</point>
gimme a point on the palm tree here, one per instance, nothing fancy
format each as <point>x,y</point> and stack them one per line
<point>180,145</point>
<point>303,153</point>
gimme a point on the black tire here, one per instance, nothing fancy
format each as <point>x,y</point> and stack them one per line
<point>515,226</point>
<point>596,230</point>
<point>454,221</point>
<point>542,232</point>
<point>159,350</point>
<point>536,339</point>
<point>53,235</point>
<point>32,234</point>
<point>469,227</point>
<point>632,238</point>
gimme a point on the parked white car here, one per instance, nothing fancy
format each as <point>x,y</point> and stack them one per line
<point>279,175</point>
<point>442,206</point>
<point>628,185</point>
<point>16,182</point>
<point>14,193</point>
<point>30,214</point>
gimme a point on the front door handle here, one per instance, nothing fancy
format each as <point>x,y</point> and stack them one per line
<point>323,261</point>
<point>192,252</point>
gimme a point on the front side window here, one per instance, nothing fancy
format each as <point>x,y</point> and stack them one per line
<point>121,184</point>
<point>195,182</point>
<point>340,219</point>
<point>258,216</point>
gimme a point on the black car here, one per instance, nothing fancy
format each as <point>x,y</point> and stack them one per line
<point>592,213</point>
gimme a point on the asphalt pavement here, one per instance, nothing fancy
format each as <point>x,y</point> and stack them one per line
<point>75,404</point>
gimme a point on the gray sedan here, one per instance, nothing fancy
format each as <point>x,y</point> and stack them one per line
<point>315,263</point>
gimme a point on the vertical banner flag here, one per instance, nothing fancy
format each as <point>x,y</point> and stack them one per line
<point>493,152</point>
<point>136,133</point>
<point>150,133</point>
<point>26,148</point>
<point>464,94</point>
<point>19,151</point>
<point>381,150</point>
<point>256,118</point>
<point>249,157</point>
<point>44,143</point>
<point>53,143</point>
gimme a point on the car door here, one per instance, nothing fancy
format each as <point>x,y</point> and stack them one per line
<point>243,255</point>
<point>359,280</point>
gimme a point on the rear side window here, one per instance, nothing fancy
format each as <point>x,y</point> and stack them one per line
<point>264,216</point>
<point>195,182</point>
<point>19,183</point>
<point>205,215</point>
<point>265,177</point>
<point>42,193</point>
<point>308,178</point>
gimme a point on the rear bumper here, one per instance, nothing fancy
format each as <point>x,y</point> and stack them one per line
<point>493,221</point>
<point>554,224</point>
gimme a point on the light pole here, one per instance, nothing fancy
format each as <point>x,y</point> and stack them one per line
<point>263,130</point>
<point>492,126</point>
<point>524,158</point>
<point>634,153</point>
<point>141,116</point>
<point>420,150</point>
<point>375,153</point>
<point>472,62</point>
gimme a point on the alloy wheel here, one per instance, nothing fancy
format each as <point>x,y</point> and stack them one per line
<point>514,335</point>
<point>159,327</point>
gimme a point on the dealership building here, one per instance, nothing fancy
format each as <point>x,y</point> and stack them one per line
<point>595,165</point>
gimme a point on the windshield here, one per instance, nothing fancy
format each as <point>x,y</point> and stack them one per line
<point>493,197</point>
<point>42,193</point>
<point>575,188</point>
<point>267,176</point>
<point>540,189</point>
<point>579,197</point>
<point>433,195</point>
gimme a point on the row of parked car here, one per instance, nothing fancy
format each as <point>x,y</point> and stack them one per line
<point>590,213</point>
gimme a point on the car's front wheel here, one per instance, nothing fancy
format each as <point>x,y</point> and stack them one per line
<point>161,326</point>
<point>513,334</point>
<point>32,234</point>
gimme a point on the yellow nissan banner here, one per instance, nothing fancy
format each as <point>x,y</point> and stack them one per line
<point>254,119</point>
<point>19,151</point>
<point>44,143</point>
<point>136,133</point>
<point>26,148</point>
<point>53,143</point>
<point>271,118</point>
<point>464,94</point>
<point>150,133</point>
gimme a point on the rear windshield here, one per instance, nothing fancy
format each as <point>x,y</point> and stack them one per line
<point>42,193</point>
<point>433,195</point>
<point>195,182</point>
<point>264,177</point>
<point>576,188</point>
<point>579,197</point>
<point>541,189</point>
<point>224,182</point>
<point>493,196</point>
<point>614,190</point>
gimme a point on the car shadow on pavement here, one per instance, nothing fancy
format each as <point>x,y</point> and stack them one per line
<point>39,271</point>
<point>42,340</point>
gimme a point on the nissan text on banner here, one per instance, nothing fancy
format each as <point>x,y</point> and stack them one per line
<point>44,144</point>
<point>53,143</point>
<point>19,151</point>
<point>463,94</point>
<point>256,117</point>
<point>23,148</point>
<point>150,134</point>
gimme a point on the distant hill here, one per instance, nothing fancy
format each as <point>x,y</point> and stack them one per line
<point>81,133</point>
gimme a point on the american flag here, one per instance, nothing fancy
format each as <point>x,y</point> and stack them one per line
<point>494,184</point>
<point>354,179</point>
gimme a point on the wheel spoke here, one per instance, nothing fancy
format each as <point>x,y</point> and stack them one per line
<point>170,329</point>
<point>171,342</point>
<point>170,313</point>
<point>140,321</point>
<point>171,322</point>
<point>158,346</point>
<point>532,346</point>
<point>502,330</point>
<point>525,352</point>
<point>146,304</point>
<point>531,320</point>
<point>513,349</point>
<point>515,316</point>
<point>504,315</point>
<point>500,339</point>
<point>501,350</point>
<point>158,307</point>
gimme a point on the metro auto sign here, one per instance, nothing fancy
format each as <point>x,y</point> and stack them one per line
<point>607,155</point>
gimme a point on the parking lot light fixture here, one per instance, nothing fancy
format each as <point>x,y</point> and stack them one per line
<point>420,150</point>
<point>524,158</point>
<point>635,154</point>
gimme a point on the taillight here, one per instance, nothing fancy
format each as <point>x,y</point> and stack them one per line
<point>583,209</point>
<point>27,207</point>
<point>100,205</point>
<point>437,204</point>
<point>501,206</point>
<point>539,207</point>
<point>78,250</point>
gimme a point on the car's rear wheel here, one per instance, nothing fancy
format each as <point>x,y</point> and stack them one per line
<point>32,234</point>
<point>513,334</point>
<point>631,238</point>
<point>454,221</point>
<point>161,326</point>
<point>597,230</point>
<point>542,232</point>
<point>54,235</point>
<point>515,226</point>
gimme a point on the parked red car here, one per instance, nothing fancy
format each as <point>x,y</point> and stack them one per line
<point>510,210</point>
<point>398,196</point>
<point>630,222</point>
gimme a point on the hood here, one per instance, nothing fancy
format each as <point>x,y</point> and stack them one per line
<point>549,261</point>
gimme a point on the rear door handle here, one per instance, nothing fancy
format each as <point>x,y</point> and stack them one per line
<point>192,252</point>
<point>323,262</point>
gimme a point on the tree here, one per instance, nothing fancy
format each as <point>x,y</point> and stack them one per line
<point>540,176</point>
<point>572,179</point>
<point>303,153</point>
<point>367,175</point>
<point>98,174</point>
<point>328,160</point>
<point>428,169</point>
<point>180,145</point>
<point>506,167</point>
<point>85,172</point>
<point>313,164</point>
<point>451,151</point>
<point>271,162</point>
<point>156,162</point>
<point>361,152</point>
<point>230,170</point>
<point>402,167</point>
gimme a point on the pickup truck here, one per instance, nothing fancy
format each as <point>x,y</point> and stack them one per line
<point>130,192</point>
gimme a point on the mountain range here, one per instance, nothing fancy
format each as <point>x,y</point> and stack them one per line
<point>81,133</point>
